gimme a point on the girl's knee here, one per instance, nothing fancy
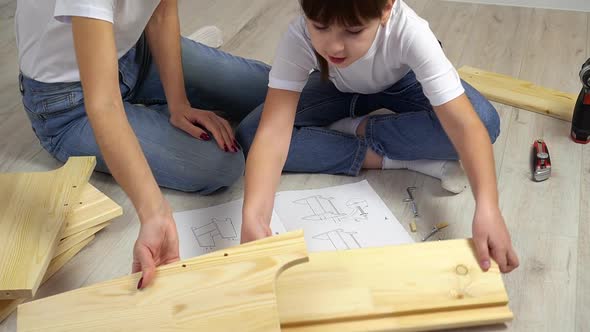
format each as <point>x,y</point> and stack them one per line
<point>246,130</point>
<point>485,110</point>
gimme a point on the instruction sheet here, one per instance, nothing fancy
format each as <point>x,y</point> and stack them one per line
<point>209,229</point>
<point>338,218</point>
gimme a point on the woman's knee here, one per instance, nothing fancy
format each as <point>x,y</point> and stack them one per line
<point>204,175</point>
<point>485,110</point>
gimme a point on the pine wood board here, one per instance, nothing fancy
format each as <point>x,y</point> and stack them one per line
<point>424,321</point>
<point>33,208</point>
<point>66,243</point>
<point>92,209</point>
<point>390,282</point>
<point>227,290</point>
<point>520,94</point>
<point>8,306</point>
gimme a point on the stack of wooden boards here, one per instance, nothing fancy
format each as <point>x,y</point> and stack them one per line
<point>45,220</point>
<point>415,287</point>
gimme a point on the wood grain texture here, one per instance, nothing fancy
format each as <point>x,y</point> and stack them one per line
<point>521,94</point>
<point>374,283</point>
<point>93,208</point>
<point>424,321</point>
<point>33,208</point>
<point>67,243</point>
<point>228,290</point>
<point>8,306</point>
<point>68,247</point>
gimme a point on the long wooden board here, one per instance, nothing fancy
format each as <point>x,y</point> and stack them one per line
<point>230,290</point>
<point>33,207</point>
<point>72,240</point>
<point>392,287</point>
<point>8,306</point>
<point>93,208</point>
<point>520,94</point>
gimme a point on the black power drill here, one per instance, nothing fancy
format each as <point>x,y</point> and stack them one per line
<point>581,118</point>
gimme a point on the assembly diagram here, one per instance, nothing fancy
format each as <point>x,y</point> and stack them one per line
<point>207,235</point>
<point>340,239</point>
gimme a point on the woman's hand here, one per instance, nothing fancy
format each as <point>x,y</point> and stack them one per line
<point>194,121</point>
<point>157,244</point>
<point>491,238</point>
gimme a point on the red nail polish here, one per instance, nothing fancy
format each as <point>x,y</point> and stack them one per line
<point>140,283</point>
<point>225,147</point>
<point>234,148</point>
<point>205,137</point>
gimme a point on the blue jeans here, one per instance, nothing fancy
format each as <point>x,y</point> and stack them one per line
<point>412,132</point>
<point>214,80</point>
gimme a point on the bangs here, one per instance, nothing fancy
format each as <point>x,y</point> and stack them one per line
<point>343,12</point>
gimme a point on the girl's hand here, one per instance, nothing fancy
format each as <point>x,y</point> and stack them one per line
<point>254,230</point>
<point>157,244</point>
<point>194,121</point>
<point>491,238</point>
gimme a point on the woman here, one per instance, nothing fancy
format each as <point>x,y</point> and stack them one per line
<point>90,88</point>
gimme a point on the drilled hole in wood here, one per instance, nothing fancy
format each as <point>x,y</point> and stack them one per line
<point>80,202</point>
<point>66,204</point>
<point>183,265</point>
<point>7,294</point>
<point>74,186</point>
<point>226,254</point>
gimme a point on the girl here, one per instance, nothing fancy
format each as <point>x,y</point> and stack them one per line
<point>371,54</point>
<point>89,88</point>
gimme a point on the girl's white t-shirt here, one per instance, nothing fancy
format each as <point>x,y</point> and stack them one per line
<point>405,43</point>
<point>44,32</point>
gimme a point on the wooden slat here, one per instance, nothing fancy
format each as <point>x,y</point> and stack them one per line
<point>60,260</point>
<point>521,94</point>
<point>8,306</point>
<point>72,240</point>
<point>389,281</point>
<point>426,321</point>
<point>33,207</point>
<point>93,208</point>
<point>230,290</point>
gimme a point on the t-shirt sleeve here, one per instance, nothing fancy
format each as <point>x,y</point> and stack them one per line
<point>294,59</point>
<point>97,9</point>
<point>440,81</point>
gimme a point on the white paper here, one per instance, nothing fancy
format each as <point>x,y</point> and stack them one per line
<point>339,218</point>
<point>209,229</point>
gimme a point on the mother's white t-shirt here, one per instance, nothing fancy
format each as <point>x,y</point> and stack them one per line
<point>44,33</point>
<point>405,43</point>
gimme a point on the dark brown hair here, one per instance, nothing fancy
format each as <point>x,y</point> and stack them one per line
<point>341,12</point>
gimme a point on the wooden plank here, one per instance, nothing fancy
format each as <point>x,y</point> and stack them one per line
<point>33,207</point>
<point>426,321</point>
<point>8,306</point>
<point>390,281</point>
<point>222,291</point>
<point>60,260</point>
<point>66,243</point>
<point>93,208</point>
<point>521,94</point>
